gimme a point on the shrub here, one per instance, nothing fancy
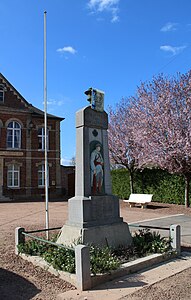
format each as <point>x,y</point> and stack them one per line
<point>60,258</point>
<point>165,187</point>
<point>102,260</point>
<point>145,242</point>
<point>32,247</point>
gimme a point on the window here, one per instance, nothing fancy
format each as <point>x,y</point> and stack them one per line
<point>41,176</point>
<point>41,138</point>
<point>13,176</point>
<point>1,93</point>
<point>14,135</point>
<point>1,125</point>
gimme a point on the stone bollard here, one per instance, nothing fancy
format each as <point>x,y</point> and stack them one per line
<point>83,276</point>
<point>175,236</point>
<point>19,238</point>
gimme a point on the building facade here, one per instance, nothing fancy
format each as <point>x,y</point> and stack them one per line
<point>22,145</point>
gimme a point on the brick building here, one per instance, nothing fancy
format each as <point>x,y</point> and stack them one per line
<point>22,140</point>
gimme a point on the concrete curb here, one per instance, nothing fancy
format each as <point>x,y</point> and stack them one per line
<point>132,267</point>
<point>125,269</point>
<point>122,287</point>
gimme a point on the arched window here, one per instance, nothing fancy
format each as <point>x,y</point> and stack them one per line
<point>14,135</point>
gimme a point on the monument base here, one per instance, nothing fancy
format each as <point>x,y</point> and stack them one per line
<point>112,235</point>
<point>95,220</point>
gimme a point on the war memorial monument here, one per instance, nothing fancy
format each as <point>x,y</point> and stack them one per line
<point>94,213</point>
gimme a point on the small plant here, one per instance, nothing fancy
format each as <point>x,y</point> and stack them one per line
<point>32,247</point>
<point>125,254</point>
<point>60,258</point>
<point>145,241</point>
<point>103,260</point>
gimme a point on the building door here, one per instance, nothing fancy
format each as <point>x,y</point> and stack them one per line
<point>71,184</point>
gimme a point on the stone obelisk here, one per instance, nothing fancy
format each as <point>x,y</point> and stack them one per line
<point>94,214</point>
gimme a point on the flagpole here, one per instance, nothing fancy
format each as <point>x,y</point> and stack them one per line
<point>45,130</point>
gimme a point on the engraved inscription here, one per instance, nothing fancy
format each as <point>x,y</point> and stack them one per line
<point>96,119</point>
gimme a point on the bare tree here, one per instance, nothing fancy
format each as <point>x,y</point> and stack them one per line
<point>73,161</point>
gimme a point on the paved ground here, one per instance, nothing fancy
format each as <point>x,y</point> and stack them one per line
<point>165,222</point>
<point>20,280</point>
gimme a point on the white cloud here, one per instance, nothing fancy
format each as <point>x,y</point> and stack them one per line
<point>60,102</point>
<point>65,161</point>
<point>105,5</point>
<point>172,50</point>
<point>115,17</point>
<point>51,102</point>
<point>55,102</point>
<point>169,27</point>
<point>102,4</point>
<point>67,49</point>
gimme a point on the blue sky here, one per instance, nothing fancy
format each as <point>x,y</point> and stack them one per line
<point>111,45</point>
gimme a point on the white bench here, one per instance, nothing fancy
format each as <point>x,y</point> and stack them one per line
<point>142,199</point>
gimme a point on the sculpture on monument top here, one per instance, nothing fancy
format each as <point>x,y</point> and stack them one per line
<point>96,99</point>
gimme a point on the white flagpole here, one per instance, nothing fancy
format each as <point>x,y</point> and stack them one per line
<point>45,129</point>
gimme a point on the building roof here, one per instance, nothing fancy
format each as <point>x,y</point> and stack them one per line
<point>34,110</point>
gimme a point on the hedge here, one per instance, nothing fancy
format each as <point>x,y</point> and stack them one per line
<point>165,187</point>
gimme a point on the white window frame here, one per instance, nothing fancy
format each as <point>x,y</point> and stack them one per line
<point>1,96</point>
<point>41,175</point>
<point>41,139</point>
<point>1,125</point>
<point>2,93</point>
<point>14,135</point>
<point>13,176</point>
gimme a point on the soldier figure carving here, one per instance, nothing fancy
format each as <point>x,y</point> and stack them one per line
<point>96,163</point>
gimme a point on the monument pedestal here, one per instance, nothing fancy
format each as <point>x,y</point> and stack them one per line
<point>95,220</point>
<point>113,235</point>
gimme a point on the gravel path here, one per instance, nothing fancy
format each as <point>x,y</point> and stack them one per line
<point>19,279</point>
<point>177,287</point>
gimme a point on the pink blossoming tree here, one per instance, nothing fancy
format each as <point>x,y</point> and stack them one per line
<point>160,118</point>
<point>120,137</point>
